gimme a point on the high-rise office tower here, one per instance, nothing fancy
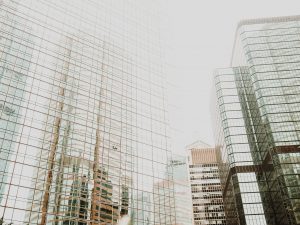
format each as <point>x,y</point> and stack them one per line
<point>83,129</point>
<point>205,184</point>
<point>241,194</point>
<point>258,121</point>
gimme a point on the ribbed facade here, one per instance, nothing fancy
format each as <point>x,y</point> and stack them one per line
<point>205,185</point>
<point>83,124</point>
<point>259,119</point>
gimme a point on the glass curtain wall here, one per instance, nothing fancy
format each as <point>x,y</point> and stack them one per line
<point>258,103</point>
<point>271,48</point>
<point>83,126</point>
<point>241,194</point>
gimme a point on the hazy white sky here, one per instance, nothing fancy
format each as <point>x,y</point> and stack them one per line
<point>199,38</point>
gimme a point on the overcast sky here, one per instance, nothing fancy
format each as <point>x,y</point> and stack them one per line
<point>199,37</point>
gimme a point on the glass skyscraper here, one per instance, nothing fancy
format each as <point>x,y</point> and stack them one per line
<point>83,122</point>
<point>241,194</point>
<point>258,114</point>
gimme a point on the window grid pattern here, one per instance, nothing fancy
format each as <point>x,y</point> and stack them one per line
<point>241,194</point>
<point>272,51</point>
<point>83,131</point>
<point>264,84</point>
<point>207,198</point>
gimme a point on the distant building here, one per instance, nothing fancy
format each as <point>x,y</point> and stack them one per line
<point>178,167</point>
<point>205,184</point>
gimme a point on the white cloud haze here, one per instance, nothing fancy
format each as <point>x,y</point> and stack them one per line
<point>199,37</point>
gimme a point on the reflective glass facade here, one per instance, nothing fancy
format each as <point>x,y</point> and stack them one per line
<point>241,194</point>
<point>259,117</point>
<point>83,131</point>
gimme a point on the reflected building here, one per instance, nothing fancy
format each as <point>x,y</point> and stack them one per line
<point>14,65</point>
<point>164,205</point>
<point>84,127</point>
<point>125,200</point>
<point>77,208</point>
<point>258,120</point>
<point>142,209</point>
<point>205,184</point>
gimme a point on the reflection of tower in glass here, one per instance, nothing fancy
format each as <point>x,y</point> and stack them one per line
<point>78,201</point>
<point>64,167</point>
<point>72,170</point>
<point>162,204</point>
<point>94,116</point>
<point>53,161</point>
<point>16,49</point>
<point>125,198</point>
<point>142,209</point>
<point>106,211</point>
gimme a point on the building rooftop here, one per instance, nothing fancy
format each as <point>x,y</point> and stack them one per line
<point>198,144</point>
<point>279,19</point>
